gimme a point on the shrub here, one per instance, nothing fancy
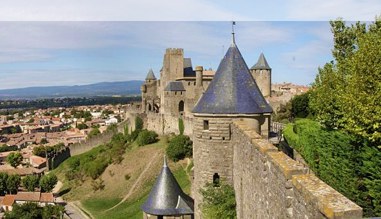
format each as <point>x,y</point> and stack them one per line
<point>179,147</point>
<point>97,184</point>
<point>146,137</point>
<point>138,123</point>
<point>218,202</point>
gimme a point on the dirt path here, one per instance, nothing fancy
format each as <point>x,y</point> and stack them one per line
<point>137,182</point>
<point>74,210</point>
<point>57,188</point>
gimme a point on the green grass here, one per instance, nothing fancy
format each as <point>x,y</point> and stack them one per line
<point>97,204</point>
<point>132,208</point>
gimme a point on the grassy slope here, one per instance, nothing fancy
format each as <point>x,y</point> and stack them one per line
<point>117,186</point>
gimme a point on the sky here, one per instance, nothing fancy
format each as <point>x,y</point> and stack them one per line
<point>73,42</point>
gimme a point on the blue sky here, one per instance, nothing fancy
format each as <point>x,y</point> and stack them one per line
<point>78,42</point>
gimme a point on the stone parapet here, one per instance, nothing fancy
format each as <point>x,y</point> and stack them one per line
<point>330,202</point>
<point>269,184</point>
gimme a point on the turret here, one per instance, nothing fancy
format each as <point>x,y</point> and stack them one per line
<point>232,95</point>
<point>167,199</point>
<point>199,70</point>
<point>261,72</point>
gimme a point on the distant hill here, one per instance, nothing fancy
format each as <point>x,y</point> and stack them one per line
<point>98,89</point>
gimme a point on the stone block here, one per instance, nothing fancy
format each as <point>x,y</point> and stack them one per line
<point>286,165</point>
<point>331,203</point>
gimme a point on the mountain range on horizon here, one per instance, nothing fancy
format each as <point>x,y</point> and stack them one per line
<point>97,89</point>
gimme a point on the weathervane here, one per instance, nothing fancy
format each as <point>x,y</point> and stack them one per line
<point>233,23</point>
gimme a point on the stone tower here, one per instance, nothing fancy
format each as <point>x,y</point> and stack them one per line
<point>149,93</point>
<point>261,72</point>
<point>231,95</point>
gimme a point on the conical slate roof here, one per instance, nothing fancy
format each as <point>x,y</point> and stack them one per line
<point>261,63</point>
<point>150,75</point>
<point>166,196</point>
<point>233,89</point>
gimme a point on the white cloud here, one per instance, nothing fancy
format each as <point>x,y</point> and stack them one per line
<point>352,10</point>
<point>104,10</point>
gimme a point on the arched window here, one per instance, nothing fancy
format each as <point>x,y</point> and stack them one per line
<point>181,106</point>
<point>216,179</point>
<point>149,107</point>
<point>156,108</point>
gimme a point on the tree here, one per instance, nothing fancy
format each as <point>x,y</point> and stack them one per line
<point>181,126</point>
<point>218,201</point>
<point>346,92</point>
<point>30,182</point>
<point>31,210</point>
<point>179,148</point>
<point>3,183</point>
<point>299,105</point>
<point>13,183</point>
<point>47,182</point>
<point>14,159</point>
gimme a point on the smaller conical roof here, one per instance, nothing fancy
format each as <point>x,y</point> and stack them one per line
<point>261,63</point>
<point>166,196</point>
<point>150,75</point>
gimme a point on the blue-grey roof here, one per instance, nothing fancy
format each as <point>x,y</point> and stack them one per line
<point>233,89</point>
<point>261,63</point>
<point>188,69</point>
<point>166,196</point>
<point>150,75</point>
<point>174,86</point>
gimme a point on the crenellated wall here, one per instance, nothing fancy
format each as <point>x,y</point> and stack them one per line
<point>269,184</point>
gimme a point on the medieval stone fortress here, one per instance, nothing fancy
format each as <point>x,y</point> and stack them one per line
<point>228,118</point>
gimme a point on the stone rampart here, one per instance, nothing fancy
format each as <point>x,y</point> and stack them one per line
<point>166,124</point>
<point>269,184</point>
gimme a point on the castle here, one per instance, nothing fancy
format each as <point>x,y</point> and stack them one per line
<point>228,117</point>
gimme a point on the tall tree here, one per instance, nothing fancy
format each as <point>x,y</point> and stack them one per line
<point>13,183</point>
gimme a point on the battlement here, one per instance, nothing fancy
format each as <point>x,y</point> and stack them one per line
<point>174,51</point>
<point>269,184</point>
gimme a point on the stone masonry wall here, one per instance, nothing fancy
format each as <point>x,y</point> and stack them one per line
<point>212,154</point>
<point>166,124</point>
<point>269,184</point>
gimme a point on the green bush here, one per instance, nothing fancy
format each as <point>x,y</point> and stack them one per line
<point>146,137</point>
<point>350,167</point>
<point>218,202</point>
<point>179,147</point>
<point>138,123</point>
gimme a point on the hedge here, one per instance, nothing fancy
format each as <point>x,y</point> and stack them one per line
<point>349,166</point>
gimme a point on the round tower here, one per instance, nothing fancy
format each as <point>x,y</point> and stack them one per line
<point>231,95</point>
<point>149,92</point>
<point>261,72</point>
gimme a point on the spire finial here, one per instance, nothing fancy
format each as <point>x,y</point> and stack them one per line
<point>165,161</point>
<point>233,23</point>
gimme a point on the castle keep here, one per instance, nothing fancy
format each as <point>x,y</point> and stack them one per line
<point>226,114</point>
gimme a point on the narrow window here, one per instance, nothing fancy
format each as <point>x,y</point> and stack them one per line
<point>216,179</point>
<point>206,125</point>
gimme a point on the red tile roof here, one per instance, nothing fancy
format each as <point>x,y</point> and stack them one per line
<point>46,197</point>
<point>8,200</point>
